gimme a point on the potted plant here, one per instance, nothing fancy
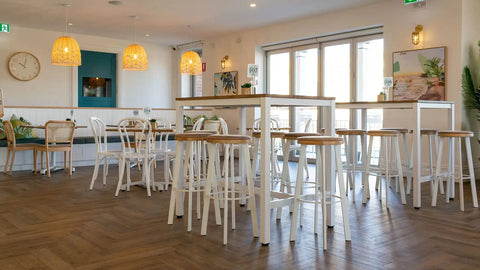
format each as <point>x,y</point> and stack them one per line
<point>153,122</point>
<point>381,96</point>
<point>246,88</point>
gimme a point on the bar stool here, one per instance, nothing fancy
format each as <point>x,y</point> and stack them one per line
<point>285,184</point>
<point>451,136</point>
<point>387,138</point>
<point>275,167</point>
<point>230,189</point>
<point>320,183</point>
<point>407,158</point>
<point>350,137</point>
<point>431,135</point>
<point>191,168</point>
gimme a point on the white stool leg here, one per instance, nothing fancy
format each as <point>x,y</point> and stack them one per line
<point>251,191</point>
<point>190,183</point>
<point>353,143</point>
<point>343,198</point>
<point>437,173</point>
<point>318,179</point>
<point>211,174</point>
<point>324,201</point>
<point>400,172</point>
<point>460,172</point>
<point>285,182</point>
<point>177,175</point>
<point>366,187</point>
<point>435,143</point>
<point>232,178</point>
<point>298,193</point>
<point>451,167</point>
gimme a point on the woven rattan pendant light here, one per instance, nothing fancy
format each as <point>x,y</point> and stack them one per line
<point>134,56</point>
<point>190,64</point>
<point>65,51</point>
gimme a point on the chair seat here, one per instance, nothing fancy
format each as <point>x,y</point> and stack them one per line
<point>455,133</point>
<point>53,148</point>
<point>296,135</point>
<point>24,146</point>
<point>320,140</point>
<point>233,139</point>
<point>351,132</point>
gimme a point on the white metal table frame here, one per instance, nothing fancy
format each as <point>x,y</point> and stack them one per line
<point>417,106</point>
<point>265,102</point>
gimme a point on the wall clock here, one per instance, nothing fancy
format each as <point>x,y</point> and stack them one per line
<point>24,66</point>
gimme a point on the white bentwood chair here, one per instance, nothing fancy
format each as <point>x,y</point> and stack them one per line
<point>161,149</point>
<point>103,154</point>
<point>142,152</point>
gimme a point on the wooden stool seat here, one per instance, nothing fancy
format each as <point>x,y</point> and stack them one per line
<point>296,135</point>
<point>383,133</point>
<point>454,133</point>
<point>351,132</point>
<point>427,131</point>
<point>320,140</point>
<point>194,136</point>
<point>235,139</point>
<point>401,130</point>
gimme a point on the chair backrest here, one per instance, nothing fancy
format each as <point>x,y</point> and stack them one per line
<point>99,134</point>
<point>163,136</point>
<point>273,124</point>
<point>163,123</point>
<point>223,125</point>
<point>59,132</point>
<point>8,128</point>
<point>213,125</point>
<point>198,124</point>
<point>142,139</point>
<point>307,126</point>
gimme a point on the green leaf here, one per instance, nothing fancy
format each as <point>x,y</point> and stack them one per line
<point>396,67</point>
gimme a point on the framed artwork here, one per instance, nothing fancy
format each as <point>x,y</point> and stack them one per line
<point>419,74</point>
<point>226,83</point>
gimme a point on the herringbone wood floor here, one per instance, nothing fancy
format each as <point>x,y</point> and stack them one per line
<point>58,223</point>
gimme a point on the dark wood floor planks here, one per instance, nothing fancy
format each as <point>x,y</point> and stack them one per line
<point>58,223</point>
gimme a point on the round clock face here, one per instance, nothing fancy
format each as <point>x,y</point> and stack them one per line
<point>24,66</point>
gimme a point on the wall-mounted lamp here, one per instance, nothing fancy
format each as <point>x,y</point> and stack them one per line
<point>224,59</point>
<point>416,34</point>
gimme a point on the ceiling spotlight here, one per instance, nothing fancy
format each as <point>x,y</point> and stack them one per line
<point>70,24</point>
<point>147,35</point>
<point>115,3</point>
<point>253,5</point>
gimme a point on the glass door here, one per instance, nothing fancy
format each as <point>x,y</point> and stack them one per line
<point>337,74</point>
<point>305,84</point>
<point>279,83</point>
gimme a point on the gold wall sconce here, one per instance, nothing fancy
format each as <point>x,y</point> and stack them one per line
<point>222,62</point>
<point>416,34</point>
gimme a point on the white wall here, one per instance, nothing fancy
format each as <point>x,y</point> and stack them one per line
<point>57,85</point>
<point>442,27</point>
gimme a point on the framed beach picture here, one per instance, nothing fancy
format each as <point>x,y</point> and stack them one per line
<point>226,83</point>
<point>419,74</point>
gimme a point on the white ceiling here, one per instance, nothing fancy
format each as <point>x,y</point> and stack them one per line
<point>167,22</point>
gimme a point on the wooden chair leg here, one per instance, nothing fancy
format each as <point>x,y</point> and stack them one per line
<point>48,164</point>
<point>11,162</point>
<point>6,161</point>
<point>35,161</point>
<point>70,160</point>
<point>65,161</point>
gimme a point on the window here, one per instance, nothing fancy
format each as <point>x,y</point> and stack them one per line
<point>349,69</point>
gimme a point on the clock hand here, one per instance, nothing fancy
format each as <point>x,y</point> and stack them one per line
<point>22,65</point>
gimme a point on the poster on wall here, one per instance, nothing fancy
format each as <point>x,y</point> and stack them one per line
<point>226,83</point>
<point>419,74</point>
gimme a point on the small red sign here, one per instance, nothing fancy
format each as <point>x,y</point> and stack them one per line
<point>204,67</point>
